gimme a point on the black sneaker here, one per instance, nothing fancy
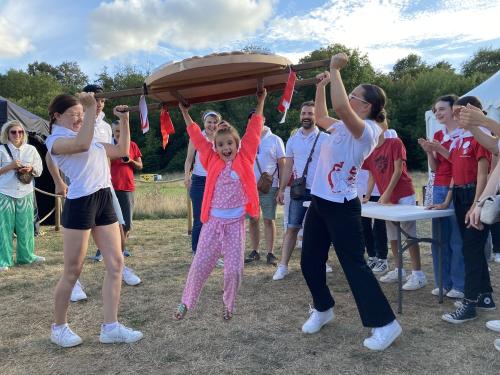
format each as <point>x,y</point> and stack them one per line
<point>271,259</point>
<point>254,255</point>
<point>464,313</point>
<point>484,302</point>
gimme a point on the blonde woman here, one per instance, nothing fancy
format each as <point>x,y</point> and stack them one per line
<point>17,158</point>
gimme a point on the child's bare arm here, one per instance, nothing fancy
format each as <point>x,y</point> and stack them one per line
<point>385,198</point>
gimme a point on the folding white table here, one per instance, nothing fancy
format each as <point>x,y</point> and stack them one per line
<point>399,213</point>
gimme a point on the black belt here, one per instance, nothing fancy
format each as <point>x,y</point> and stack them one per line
<point>466,186</point>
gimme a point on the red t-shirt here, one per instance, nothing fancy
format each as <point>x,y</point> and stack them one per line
<point>122,174</point>
<point>381,164</point>
<point>464,161</point>
<point>443,170</point>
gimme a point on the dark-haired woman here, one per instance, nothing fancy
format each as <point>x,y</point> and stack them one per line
<point>438,157</point>
<point>88,206</point>
<point>470,165</point>
<point>335,212</point>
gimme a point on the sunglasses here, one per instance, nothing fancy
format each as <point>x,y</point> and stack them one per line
<point>14,132</point>
<point>352,96</point>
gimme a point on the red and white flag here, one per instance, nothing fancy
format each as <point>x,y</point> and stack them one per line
<point>286,98</point>
<point>166,125</point>
<point>143,107</point>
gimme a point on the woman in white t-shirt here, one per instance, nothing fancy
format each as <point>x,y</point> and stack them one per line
<point>88,206</point>
<point>334,215</point>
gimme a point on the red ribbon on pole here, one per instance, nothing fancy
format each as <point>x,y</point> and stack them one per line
<point>286,98</point>
<point>166,125</point>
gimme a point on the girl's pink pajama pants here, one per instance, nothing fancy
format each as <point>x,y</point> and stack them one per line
<point>218,237</point>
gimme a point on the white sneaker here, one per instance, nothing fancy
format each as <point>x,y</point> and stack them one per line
<point>371,262</point>
<point>414,282</point>
<point>220,263</point>
<point>453,293</point>
<point>494,325</point>
<point>391,276</point>
<point>77,294</point>
<point>38,259</point>
<point>298,244</point>
<point>281,272</point>
<point>435,292</point>
<point>317,319</point>
<point>329,268</point>
<point>65,337</point>
<point>496,343</point>
<point>130,277</point>
<point>4,269</point>
<point>381,267</point>
<point>383,337</point>
<point>497,258</point>
<point>119,334</point>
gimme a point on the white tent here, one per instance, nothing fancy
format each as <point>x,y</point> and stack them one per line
<point>487,92</point>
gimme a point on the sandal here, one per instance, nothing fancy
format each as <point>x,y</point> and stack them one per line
<point>226,314</point>
<point>181,311</point>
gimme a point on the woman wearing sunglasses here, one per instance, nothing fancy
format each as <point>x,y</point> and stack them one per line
<point>19,163</point>
<point>334,215</point>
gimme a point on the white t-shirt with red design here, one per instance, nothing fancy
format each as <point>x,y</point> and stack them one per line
<point>341,156</point>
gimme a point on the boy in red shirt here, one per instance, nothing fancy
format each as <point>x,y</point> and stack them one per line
<point>387,166</point>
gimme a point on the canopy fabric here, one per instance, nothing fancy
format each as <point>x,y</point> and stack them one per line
<point>32,123</point>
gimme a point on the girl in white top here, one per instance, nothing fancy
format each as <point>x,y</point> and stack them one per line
<point>334,215</point>
<point>16,197</point>
<point>88,206</point>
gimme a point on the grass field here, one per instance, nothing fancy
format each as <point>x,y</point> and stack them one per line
<point>264,336</point>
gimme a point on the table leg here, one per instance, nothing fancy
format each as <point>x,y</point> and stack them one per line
<point>439,237</point>
<point>400,270</point>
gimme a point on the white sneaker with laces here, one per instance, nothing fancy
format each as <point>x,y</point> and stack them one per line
<point>391,276</point>
<point>77,294</point>
<point>453,293</point>
<point>435,291</point>
<point>38,259</point>
<point>383,337</point>
<point>494,325</point>
<point>414,282</point>
<point>65,337</point>
<point>328,268</point>
<point>317,319</point>
<point>130,277</point>
<point>119,334</point>
<point>381,267</point>
<point>371,262</point>
<point>281,272</point>
<point>497,258</point>
<point>220,263</point>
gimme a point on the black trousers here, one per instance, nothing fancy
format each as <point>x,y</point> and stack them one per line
<point>477,276</point>
<point>495,236</point>
<point>375,235</point>
<point>340,223</point>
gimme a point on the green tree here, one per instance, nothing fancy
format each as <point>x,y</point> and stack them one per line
<point>485,61</point>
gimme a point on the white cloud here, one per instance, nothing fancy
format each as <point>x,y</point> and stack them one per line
<point>386,30</point>
<point>14,33</point>
<point>126,26</point>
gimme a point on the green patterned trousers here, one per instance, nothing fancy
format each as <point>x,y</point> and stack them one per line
<point>16,213</point>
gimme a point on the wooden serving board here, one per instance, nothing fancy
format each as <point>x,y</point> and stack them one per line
<point>217,77</point>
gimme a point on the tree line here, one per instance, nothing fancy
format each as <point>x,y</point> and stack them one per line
<point>411,86</point>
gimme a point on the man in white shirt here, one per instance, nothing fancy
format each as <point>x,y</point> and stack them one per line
<point>298,150</point>
<point>271,160</point>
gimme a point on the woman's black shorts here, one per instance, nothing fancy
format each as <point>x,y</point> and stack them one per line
<point>89,211</point>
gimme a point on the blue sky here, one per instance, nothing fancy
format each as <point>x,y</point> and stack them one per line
<point>148,33</point>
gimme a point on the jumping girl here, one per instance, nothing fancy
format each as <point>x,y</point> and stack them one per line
<point>230,192</point>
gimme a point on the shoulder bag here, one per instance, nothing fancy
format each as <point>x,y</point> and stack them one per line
<point>298,185</point>
<point>25,177</point>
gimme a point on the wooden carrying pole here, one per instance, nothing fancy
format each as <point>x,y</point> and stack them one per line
<point>174,91</point>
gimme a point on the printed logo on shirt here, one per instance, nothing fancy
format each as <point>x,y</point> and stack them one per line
<point>339,180</point>
<point>381,163</point>
<point>234,175</point>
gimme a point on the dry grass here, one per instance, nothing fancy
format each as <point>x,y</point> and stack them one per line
<point>264,336</point>
<point>160,200</point>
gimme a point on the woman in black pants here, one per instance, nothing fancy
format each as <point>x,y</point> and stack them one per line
<point>335,212</point>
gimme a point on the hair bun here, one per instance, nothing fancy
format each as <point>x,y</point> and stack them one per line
<point>381,116</point>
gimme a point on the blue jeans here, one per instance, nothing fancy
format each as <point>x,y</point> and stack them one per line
<point>453,258</point>
<point>196,195</point>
